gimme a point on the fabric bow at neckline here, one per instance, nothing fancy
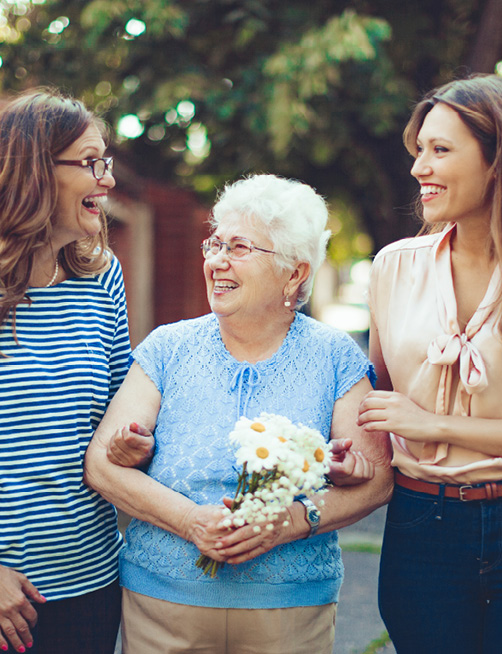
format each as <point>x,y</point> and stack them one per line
<point>446,349</point>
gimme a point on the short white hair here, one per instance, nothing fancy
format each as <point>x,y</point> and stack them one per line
<point>294,217</point>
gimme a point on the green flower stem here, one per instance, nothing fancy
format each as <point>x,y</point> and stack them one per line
<point>245,484</point>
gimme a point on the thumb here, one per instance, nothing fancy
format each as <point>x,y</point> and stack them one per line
<point>339,445</point>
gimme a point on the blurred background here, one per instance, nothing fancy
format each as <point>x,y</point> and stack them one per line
<point>201,92</point>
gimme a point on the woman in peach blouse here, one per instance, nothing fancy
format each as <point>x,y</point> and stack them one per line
<point>436,341</point>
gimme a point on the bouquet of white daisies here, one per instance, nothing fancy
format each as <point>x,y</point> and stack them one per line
<point>279,462</point>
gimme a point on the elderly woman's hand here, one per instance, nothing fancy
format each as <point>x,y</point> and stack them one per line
<point>204,527</point>
<point>245,543</point>
<point>131,447</point>
<point>348,468</point>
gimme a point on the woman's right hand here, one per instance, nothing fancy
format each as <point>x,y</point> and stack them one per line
<point>17,615</point>
<point>204,527</point>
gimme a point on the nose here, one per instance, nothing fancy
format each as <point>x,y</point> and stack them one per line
<point>421,167</point>
<point>108,180</point>
<point>216,261</point>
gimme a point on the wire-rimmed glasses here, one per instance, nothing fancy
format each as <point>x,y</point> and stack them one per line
<point>99,166</point>
<point>236,248</point>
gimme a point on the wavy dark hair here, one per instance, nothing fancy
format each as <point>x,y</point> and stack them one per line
<point>478,101</point>
<point>35,127</point>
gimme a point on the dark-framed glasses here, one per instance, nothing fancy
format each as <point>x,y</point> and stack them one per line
<point>99,166</point>
<point>236,248</point>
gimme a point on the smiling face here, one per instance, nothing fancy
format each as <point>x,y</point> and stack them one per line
<point>79,193</point>
<point>451,169</point>
<point>251,288</point>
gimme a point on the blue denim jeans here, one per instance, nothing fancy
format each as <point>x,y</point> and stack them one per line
<point>440,589</point>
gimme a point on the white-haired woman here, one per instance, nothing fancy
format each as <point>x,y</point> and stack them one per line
<point>190,381</point>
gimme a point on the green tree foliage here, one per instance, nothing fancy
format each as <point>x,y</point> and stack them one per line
<point>317,90</point>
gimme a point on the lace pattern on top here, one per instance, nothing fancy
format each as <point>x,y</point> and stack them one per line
<point>204,390</point>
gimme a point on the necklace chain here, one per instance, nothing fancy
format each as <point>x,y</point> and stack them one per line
<point>56,270</point>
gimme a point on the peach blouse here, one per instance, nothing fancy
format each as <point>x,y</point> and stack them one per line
<point>430,359</point>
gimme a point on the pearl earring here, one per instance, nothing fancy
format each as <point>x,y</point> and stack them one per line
<point>287,303</point>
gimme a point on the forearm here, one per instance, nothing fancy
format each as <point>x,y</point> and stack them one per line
<point>136,493</point>
<point>342,506</point>
<point>480,434</point>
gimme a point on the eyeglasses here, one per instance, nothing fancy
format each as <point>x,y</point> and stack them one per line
<point>237,248</point>
<point>99,166</point>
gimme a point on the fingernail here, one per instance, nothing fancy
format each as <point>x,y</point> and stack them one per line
<point>5,648</point>
<point>29,644</point>
<point>22,649</point>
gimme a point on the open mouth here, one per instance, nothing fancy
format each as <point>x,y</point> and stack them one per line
<point>223,287</point>
<point>92,204</point>
<point>431,190</point>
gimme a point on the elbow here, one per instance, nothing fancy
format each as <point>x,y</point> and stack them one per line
<point>92,476</point>
<point>385,484</point>
<point>89,478</point>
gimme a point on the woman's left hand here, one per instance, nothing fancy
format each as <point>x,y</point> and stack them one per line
<point>131,447</point>
<point>348,468</point>
<point>394,412</point>
<point>244,543</point>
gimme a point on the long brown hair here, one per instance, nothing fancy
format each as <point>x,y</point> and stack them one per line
<point>34,128</point>
<point>478,101</point>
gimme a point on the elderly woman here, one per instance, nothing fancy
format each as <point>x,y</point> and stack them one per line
<point>190,381</point>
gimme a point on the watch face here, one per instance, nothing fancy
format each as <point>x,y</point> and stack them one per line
<point>313,516</point>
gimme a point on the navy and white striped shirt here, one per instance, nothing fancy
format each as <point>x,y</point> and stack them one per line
<point>54,388</point>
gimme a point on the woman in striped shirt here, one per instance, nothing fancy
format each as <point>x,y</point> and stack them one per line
<point>64,351</point>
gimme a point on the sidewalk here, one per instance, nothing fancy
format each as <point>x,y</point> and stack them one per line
<point>359,627</point>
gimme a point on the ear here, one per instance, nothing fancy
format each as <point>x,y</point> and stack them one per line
<point>297,277</point>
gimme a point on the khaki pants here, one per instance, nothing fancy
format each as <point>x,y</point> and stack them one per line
<point>153,626</point>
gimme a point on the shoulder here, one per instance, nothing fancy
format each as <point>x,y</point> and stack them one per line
<point>182,331</point>
<point>408,246</point>
<point>313,331</point>
<point>408,257</point>
<point>113,274</point>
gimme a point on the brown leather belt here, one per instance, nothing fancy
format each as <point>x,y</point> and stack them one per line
<point>492,490</point>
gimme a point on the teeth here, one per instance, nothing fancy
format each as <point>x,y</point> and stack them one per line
<point>89,203</point>
<point>428,190</point>
<point>224,286</point>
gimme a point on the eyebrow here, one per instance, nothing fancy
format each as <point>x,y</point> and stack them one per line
<point>215,235</point>
<point>435,139</point>
<point>91,151</point>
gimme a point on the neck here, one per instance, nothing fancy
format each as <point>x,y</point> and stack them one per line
<point>257,340</point>
<point>45,265</point>
<point>472,242</point>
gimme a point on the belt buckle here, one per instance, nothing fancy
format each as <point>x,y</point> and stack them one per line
<point>461,491</point>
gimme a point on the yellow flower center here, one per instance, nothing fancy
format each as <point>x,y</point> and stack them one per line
<point>257,426</point>
<point>262,452</point>
<point>319,455</point>
<point>305,466</point>
<point>281,438</point>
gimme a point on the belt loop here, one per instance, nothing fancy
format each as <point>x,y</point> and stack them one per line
<point>491,491</point>
<point>440,503</point>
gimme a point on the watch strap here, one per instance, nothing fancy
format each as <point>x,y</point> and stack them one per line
<point>312,515</point>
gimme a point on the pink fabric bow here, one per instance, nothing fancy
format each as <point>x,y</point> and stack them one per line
<point>447,348</point>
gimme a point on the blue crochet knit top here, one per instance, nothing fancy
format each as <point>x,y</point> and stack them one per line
<point>204,391</point>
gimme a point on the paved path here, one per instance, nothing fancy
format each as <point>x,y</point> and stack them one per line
<point>358,622</point>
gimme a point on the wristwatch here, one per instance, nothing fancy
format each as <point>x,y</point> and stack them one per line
<point>312,515</point>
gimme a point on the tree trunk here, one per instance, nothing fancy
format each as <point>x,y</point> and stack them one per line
<point>487,49</point>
